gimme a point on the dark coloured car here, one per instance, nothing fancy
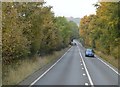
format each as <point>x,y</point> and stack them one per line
<point>73,44</point>
<point>89,53</point>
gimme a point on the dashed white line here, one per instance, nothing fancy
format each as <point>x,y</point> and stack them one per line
<point>47,70</point>
<point>86,84</point>
<point>84,74</point>
<point>105,63</point>
<point>90,80</point>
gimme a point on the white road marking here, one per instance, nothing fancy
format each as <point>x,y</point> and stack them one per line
<point>84,74</point>
<point>86,84</point>
<point>80,44</point>
<point>82,68</point>
<point>90,80</point>
<point>108,66</point>
<point>81,64</point>
<point>47,70</point>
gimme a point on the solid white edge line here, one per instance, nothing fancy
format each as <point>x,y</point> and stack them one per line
<point>48,69</point>
<point>90,80</point>
<point>108,66</point>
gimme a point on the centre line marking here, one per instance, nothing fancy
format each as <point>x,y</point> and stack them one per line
<point>82,68</point>
<point>90,80</point>
<point>104,62</point>
<point>83,74</point>
<point>86,84</point>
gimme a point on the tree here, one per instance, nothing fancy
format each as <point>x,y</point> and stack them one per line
<point>15,45</point>
<point>101,30</point>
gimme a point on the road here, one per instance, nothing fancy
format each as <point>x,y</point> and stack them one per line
<point>73,68</point>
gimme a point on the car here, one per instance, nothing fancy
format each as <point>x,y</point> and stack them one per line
<point>73,44</point>
<point>89,53</point>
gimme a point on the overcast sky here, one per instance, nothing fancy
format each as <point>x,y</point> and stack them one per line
<point>72,8</point>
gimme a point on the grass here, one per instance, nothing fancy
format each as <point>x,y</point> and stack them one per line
<point>13,74</point>
<point>110,59</point>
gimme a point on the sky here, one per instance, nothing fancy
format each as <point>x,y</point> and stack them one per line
<point>72,8</point>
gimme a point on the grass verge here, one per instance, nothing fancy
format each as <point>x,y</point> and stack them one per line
<point>15,73</point>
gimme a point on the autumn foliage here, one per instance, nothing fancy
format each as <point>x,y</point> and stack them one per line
<point>31,29</point>
<point>101,31</point>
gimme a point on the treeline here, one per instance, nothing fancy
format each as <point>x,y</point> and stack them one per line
<point>31,28</point>
<point>101,31</point>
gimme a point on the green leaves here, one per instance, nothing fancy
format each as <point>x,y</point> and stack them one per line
<point>15,45</point>
<point>31,28</point>
<point>102,28</point>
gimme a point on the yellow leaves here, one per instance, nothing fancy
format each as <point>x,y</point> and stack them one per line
<point>38,31</point>
<point>103,28</point>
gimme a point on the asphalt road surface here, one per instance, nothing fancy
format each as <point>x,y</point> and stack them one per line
<point>73,68</point>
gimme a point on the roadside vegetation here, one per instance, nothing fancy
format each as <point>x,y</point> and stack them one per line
<point>29,30</point>
<point>16,72</point>
<point>101,31</point>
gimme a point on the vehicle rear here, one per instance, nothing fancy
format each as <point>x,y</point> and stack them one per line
<point>89,53</point>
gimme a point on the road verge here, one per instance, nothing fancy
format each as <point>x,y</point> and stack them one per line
<point>14,75</point>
